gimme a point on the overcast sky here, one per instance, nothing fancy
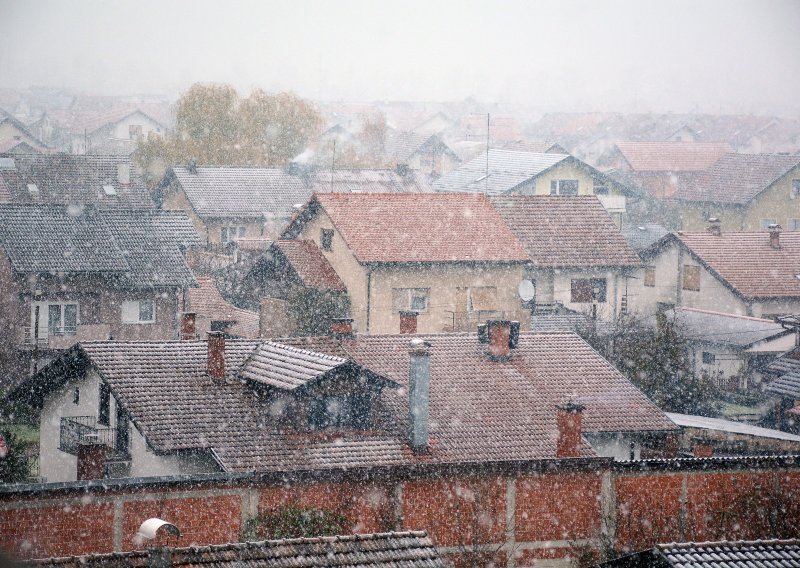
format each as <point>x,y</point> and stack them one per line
<point>726,55</point>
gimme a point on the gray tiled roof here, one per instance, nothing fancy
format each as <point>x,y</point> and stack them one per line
<point>286,367</point>
<point>741,554</point>
<point>241,191</point>
<point>507,170</point>
<point>369,181</point>
<point>479,409</point>
<point>643,236</point>
<point>786,370</point>
<point>737,178</point>
<point>719,328</point>
<point>56,239</point>
<point>410,549</point>
<point>401,145</point>
<point>65,179</point>
<point>143,247</point>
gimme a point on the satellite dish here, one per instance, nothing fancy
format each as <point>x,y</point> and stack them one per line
<point>526,290</point>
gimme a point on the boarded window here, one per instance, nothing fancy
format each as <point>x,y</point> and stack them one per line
<point>691,277</point>
<point>585,290</point>
<point>326,239</point>
<point>482,299</point>
<point>650,276</point>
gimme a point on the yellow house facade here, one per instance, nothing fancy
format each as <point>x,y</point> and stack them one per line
<point>447,290</point>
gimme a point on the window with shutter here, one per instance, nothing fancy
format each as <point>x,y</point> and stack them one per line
<point>650,276</point>
<point>691,278</point>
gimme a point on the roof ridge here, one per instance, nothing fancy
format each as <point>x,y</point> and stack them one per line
<point>712,312</point>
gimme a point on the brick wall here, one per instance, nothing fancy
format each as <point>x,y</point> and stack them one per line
<point>484,515</point>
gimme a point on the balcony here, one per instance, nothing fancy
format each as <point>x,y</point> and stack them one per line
<point>78,430</point>
<point>613,203</point>
<point>64,337</point>
<point>469,321</point>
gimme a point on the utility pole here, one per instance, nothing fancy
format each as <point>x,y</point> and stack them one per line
<point>333,162</point>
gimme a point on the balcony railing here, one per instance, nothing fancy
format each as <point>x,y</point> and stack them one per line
<point>64,337</point>
<point>77,430</point>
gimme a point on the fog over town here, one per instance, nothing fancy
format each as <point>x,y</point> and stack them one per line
<point>400,284</point>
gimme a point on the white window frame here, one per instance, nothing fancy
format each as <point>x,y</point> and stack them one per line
<point>44,318</point>
<point>132,311</point>
<point>556,185</point>
<point>238,232</point>
<point>765,223</point>
<point>793,224</point>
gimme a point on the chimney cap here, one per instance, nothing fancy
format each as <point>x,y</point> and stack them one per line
<point>418,344</point>
<point>215,333</point>
<point>571,406</point>
<point>774,227</point>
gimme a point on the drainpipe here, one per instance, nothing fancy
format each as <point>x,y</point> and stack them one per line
<point>369,294</point>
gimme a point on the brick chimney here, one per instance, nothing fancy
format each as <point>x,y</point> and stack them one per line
<point>216,354</point>
<point>92,460</point>
<point>714,226</point>
<point>342,327</point>
<point>408,322</point>
<point>775,236</point>
<point>419,378</point>
<point>702,448</point>
<point>568,422</point>
<point>188,326</point>
<point>501,335</point>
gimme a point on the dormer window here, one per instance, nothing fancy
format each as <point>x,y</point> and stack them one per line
<point>346,411</point>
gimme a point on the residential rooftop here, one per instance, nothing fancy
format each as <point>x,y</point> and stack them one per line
<point>480,409</point>
<point>409,549</point>
<point>737,178</point>
<point>722,554</point>
<point>415,228</point>
<point>669,156</point>
<point>719,328</point>
<point>729,426</point>
<point>310,265</point>
<point>565,231</point>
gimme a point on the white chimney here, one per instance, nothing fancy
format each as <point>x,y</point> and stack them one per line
<point>419,379</point>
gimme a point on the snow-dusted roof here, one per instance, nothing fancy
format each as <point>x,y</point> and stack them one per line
<point>691,421</point>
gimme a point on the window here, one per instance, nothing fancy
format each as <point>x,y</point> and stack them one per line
<point>76,395</point>
<point>134,131</point>
<point>104,410</point>
<point>62,318</point>
<point>340,411</point>
<point>765,223</point>
<point>795,191</point>
<point>326,239</point>
<point>793,225</point>
<point>650,276</point>
<point>585,290</point>
<point>123,435</point>
<point>231,234</point>
<point>709,358</point>
<point>564,187</point>
<point>691,277</point>
<point>410,299</point>
<point>138,311</point>
<point>482,299</point>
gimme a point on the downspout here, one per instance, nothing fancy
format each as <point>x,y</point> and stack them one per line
<point>369,294</point>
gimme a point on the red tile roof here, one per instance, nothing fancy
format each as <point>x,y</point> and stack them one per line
<point>564,231</point>
<point>310,264</point>
<point>206,301</point>
<point>672,156</point>
<point>480,410</point>
<point>737,178</point>
<point>435,227</point>
<point>748,263</point>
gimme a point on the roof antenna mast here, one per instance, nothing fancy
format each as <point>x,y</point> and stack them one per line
<point>333,162</point>
<point>486,177</point>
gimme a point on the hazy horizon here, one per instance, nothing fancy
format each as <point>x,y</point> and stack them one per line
<point>617,55</point>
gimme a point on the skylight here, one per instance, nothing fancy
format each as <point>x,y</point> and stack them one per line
<point>110,190</point>
<point>33,189</point>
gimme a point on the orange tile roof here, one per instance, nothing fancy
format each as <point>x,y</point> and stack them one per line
<point>672,156</point>
<point>748,263</point>
<point>434,227</point>
<point>310,264</point>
